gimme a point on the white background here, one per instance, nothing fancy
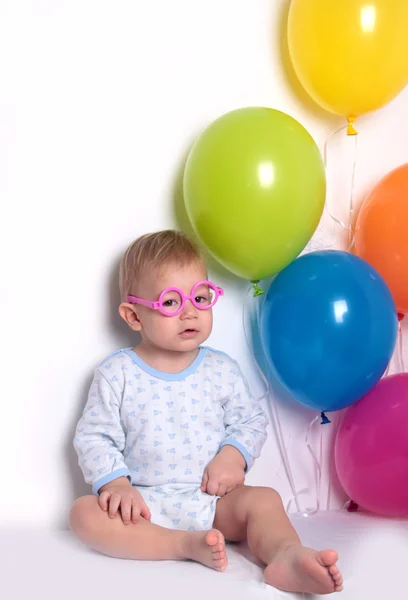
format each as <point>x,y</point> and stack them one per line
<point>99,104</point>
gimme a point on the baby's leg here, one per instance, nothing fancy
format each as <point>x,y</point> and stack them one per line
<point>257,514</point>
<point>143,541</point>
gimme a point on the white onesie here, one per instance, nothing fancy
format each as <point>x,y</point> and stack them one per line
<point>162,429</point>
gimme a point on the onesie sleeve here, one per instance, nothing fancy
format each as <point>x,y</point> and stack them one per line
<point>99,438</point>
<point>244,419</point>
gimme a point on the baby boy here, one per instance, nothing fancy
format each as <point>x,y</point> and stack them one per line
<point>170,431</point>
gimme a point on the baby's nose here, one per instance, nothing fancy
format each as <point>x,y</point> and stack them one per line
<point>189,311</point>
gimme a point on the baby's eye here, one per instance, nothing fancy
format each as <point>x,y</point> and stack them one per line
<point>170,303</point>
<point>201,299</point>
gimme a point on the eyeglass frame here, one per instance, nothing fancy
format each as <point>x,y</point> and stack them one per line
<point>158,304</point>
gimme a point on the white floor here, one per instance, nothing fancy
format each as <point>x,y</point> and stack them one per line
<point>52,565</point>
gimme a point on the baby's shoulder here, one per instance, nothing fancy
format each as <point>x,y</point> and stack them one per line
<point>220,361</point>
<point>115,366</point>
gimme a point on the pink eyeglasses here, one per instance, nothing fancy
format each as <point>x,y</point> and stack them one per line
<point>172,300</point>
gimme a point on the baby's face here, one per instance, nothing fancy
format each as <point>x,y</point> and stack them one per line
<point>182,332</point>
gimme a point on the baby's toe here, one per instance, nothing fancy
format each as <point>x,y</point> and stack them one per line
<point>337,576</point>
<point>213,538</point>
<point>220,565</point>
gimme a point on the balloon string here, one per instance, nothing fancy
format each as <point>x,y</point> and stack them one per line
<point>274,414</point>
<point>317,463</point>
<point>332,462</point>
<point>245,328</point>
<point>330,485</point>
<point>400,349</point>
<point>304,513</point>
<point>348,226</point>
<point>351,239</point>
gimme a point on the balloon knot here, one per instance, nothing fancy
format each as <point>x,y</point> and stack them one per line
<point>350,128</point>
<point>400,316</point>
<point>257,290</point>
<point>325,420</point>
<point>352,507</point>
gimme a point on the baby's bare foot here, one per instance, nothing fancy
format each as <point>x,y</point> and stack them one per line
<point>208,548</point>
<point>299,569</point>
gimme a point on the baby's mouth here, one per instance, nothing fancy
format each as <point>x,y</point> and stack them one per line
<point>189,331</point>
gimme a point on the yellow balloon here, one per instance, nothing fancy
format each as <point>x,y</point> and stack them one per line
<point>351,56</point>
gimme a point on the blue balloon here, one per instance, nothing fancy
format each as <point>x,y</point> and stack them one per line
<point>328,329</point>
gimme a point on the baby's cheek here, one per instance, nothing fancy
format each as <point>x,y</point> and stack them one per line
<point>163,330</point>
<point>206,321</point>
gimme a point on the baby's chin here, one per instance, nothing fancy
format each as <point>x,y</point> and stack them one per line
<point>187,345</point>
<point>188,342</point>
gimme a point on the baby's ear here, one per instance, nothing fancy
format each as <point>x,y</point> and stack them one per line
<point>128,313</point>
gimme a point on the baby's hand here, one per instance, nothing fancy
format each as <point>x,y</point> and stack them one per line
<point>119,493</point>
<point>225,472</point>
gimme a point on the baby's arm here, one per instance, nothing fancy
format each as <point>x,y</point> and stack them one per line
<point>244,419</point>
<point>99,442</point>
<point>245,433</point>
<point>99,437</point>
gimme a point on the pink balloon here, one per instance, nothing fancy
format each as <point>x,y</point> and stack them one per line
<point>371,449</point>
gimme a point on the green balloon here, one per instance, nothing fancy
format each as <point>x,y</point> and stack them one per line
<point>254,189</point>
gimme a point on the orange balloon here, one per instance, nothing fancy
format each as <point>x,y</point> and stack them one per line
<point>381,235</point>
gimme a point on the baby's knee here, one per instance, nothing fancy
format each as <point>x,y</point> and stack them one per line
<point>84,516</point>
<point>263,497</point>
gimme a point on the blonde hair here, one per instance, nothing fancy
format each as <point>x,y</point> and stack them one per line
<point>153,251</point>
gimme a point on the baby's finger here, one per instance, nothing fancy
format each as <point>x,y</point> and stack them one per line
<point>222,490</point>
<point>204,481</point>
<point>145,512</point>
<point>125,510</point>
<point>212,487</point>
<point>135,512</point>
<point>114,503</point>
<point>103,500</point>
